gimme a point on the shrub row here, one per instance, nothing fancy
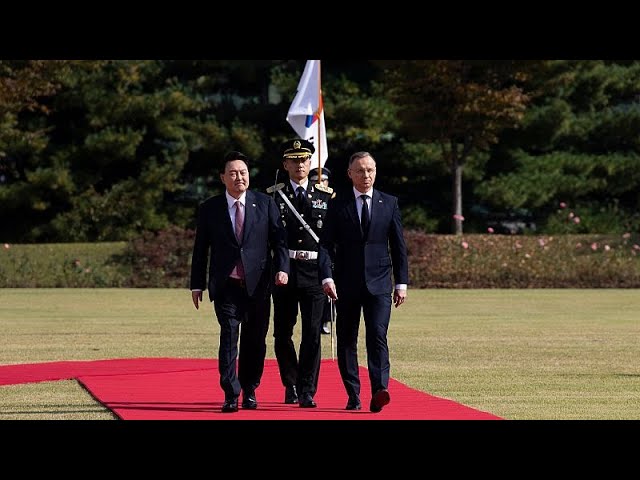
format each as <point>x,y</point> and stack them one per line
<point>162,259</point>
<point>63,265</point>
<point>509,261</point>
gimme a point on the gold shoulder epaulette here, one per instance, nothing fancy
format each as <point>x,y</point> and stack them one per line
<point>275,188</point>
<point>324,189</point>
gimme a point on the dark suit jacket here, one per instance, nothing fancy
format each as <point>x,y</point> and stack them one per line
<point>263,232</point>
<point>384,249</point>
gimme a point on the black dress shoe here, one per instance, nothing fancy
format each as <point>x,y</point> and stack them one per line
<point>249,401</point>
<point>306,401</point>
<point>290,395</point>
<point>354,403</point>
<point>379,400</point>
<point>230,405</point>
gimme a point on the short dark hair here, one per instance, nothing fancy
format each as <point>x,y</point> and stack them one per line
<point>230,157</point>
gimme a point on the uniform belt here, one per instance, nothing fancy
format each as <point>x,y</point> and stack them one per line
<point>303,254</point>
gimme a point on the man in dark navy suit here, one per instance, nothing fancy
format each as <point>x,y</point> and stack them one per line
<point>238,231</point>
<point>363,236</point>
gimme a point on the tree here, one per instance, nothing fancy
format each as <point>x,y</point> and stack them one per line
<point>578,145</point>
<point>24,84</point>
<point>460,105</point>
<point>122,144</point>
<point>25,88</point>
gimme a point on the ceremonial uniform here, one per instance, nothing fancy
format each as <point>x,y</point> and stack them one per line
<point>299,374</point>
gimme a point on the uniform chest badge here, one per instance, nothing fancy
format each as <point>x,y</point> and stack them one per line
<point>319,203</point>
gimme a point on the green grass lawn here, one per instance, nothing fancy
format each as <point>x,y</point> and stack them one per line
<point>520,354</point>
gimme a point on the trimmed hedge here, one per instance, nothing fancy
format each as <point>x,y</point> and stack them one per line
<point>63,265</point>
<point>509,261</point>
<point>162,259</point>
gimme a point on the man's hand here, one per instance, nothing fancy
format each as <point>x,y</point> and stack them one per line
<point>196,296</point>
<point>399,296</point>
<point>330,289</point>
<point>282,278</point>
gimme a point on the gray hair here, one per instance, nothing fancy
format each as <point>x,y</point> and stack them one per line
<point>358,156</point>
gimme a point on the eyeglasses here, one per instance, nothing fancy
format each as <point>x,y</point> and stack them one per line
<point>362,172</point>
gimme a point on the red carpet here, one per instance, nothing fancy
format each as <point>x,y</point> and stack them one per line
<point>188,389</point>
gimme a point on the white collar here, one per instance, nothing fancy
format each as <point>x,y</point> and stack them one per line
<point>231,201</point>
<point>295,185</point>
<point>359,194</point>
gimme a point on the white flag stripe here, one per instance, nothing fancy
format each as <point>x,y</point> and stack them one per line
<point>303,112</point>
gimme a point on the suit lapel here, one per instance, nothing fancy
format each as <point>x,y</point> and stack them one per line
<point>377,207</point>
<point>351,210</point>
<point>250,214</point>
<point>289,193</point>
<point>227,226</point>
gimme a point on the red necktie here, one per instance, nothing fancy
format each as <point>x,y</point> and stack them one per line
<point>239,229</point>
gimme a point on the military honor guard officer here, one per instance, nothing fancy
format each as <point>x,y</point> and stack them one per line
<point>303,208</point>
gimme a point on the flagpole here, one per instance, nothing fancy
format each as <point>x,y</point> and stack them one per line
<point>320,106</point>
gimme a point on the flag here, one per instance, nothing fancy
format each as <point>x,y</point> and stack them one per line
<point>307,110</point>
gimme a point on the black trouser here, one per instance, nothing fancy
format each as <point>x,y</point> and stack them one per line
<point>234,307</point>
<point>376,310</point>
<point>303,373</point>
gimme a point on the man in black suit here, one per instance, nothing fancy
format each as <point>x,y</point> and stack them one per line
<point>364,238</point>
<point>303,208</point>
<point>238,231</point>
<point>326,313</point>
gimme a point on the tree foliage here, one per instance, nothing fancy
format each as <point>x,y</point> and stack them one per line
<point>106,149</point>
<point>126,140</point>
<point>578,146</point>
<point>460,105</point>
